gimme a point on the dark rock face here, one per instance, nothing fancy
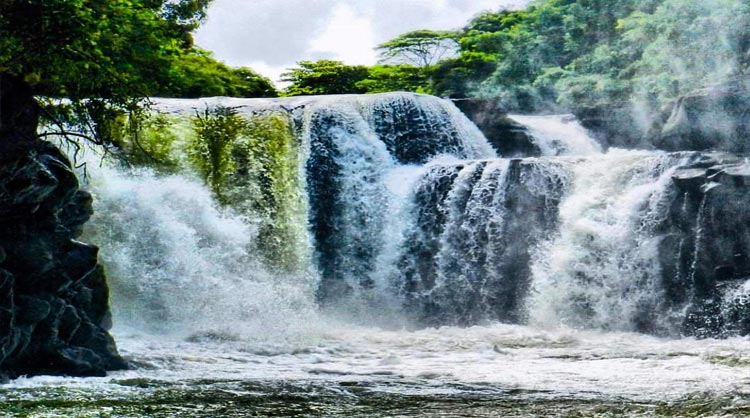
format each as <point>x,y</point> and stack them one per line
<point>54,308</point>
<point>53,293</point>
<point>715,118</point>
<point>705,252</point>
<point>509,138</point>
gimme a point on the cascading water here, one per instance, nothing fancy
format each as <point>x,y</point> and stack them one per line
<point>601,269</point>
<point>559,135</point>
<point>408,216</point>
<point>179,265</point>
<point>407,219</point>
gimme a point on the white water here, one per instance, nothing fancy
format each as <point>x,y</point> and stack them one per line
<point>497,358</point>
<point>179,265</point>
<point>559,135</point>
<point>601,270</point>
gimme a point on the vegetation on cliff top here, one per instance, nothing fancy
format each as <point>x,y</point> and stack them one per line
<point>586,52</point>
<point>559,54</point>
<point>109,55</point>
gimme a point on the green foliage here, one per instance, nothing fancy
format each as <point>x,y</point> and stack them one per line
<point>105,57</point>
<point>266,184</point>
<point>210,150</point>
<point>580,53</point>
<point>150,141</point>
<point>421,48</point>
<point>385,78</point>
<point>324,77</point>
<point>333,77</point>
<point>114,50</point>
<point>197,74</point>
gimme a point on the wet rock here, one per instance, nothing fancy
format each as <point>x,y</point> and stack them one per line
<point>415,127</point>
<point>54,309</point>
<point>709,244</point>
<point>509,138</point>
<point>31,310</point>
<point>469,258</point>
<point>619,125</point>
<point>689,179</point>
<point>77,212</point>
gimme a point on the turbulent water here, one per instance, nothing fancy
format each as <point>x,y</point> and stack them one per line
<point>443,281</point>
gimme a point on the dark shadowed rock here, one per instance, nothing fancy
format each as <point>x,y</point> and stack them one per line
<point>621,124</point>
<point>706,251</point>
<point>54,308</point>
<point>509,138</point>
<point>469,258</point>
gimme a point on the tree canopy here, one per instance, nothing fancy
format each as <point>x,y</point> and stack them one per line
<point>421,48</point>
<point>324,77</point>
<point>335,77</point>
<point>115,49</point>
<point>579,53</point>
<point>197,74</point>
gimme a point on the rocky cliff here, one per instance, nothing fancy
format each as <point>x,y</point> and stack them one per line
<point>54,307</point>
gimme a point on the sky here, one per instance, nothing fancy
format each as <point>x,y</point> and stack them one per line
<point>270,36</point>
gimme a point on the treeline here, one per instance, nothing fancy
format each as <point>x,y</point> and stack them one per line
<point>196,73</point>
<point>559,53</point>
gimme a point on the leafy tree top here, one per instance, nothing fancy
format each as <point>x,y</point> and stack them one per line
<point>115,49</point>
<point>324,77</point>
<point>420,47</point>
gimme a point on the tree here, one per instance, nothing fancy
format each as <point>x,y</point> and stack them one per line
<point>385,78</point>
<point>112,49</point>
<point>197,74</point>
<point>117,51</point>
<point>324,77</point>
<point>420,47</point>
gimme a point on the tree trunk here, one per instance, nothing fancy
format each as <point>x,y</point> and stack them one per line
<point>19,116</point>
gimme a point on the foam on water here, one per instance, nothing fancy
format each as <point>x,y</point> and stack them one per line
<point>562,362</point>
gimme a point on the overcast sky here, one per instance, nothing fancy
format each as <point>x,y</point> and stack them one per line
<point>272,35</point>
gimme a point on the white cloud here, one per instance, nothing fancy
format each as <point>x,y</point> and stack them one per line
<point>348,37</point>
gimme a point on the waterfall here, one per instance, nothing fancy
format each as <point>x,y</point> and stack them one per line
<point>466,260</point>
<point>401,213</point>
<point>179,264</point>
<point>601,269</point>
<point>362,252</point>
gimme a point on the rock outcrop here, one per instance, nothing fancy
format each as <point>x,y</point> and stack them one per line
<point>509,138</point>
<point>54,307</point>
